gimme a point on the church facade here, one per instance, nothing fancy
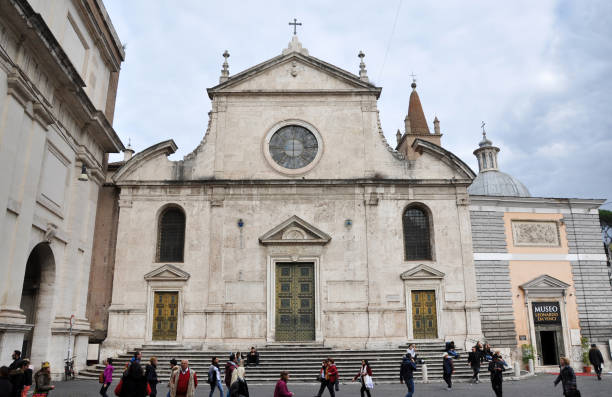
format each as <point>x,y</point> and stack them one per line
<point>294,221</point>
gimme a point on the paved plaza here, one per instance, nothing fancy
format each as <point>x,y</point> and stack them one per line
<point>540,386</point>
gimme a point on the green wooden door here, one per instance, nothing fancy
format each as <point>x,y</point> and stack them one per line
<point>295,302</point>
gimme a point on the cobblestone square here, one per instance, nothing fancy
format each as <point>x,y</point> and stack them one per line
<point>540,386</point>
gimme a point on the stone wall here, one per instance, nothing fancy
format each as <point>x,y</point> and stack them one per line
<point>593,290</point>
<point>493,279</point>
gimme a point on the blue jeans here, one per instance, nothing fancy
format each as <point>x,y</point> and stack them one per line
<point>212,388</point>
<point>410,386</point>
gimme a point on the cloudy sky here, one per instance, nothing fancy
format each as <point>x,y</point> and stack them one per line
<point>537,72</point>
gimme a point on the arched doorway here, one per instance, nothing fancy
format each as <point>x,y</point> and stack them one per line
<point>37,300</point>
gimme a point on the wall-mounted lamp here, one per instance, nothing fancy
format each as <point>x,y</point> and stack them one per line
<point>83,176</point>
<point>240,223</point>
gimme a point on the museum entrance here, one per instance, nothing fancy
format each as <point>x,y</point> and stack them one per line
<point>165,317</point>
<point>548,331</point>
<point>295,304</point>
<point>424,317</point>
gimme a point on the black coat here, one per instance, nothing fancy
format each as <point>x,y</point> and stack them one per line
<point>595,357</point>
<point>151,375</point>
<point>6,388</point>
<point>447,366</point>
<point>568,378</point>
<point>496,368</point>
<point>474,359</point>
<point>239,388</point>
<point>17,378</point>
<point>407,369</point>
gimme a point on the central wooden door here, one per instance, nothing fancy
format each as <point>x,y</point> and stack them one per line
<point>424,317</point>
<point>295,302</point>
<point>165,315</point>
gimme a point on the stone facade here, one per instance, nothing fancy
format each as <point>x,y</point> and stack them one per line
<point>244,214</point>
<point>59,67</point>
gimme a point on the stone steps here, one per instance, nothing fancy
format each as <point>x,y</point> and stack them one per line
<point>302,361</point>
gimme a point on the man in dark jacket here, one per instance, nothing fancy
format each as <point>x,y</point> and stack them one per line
<point>407,373</point>
<point>447,370</point>
<point>253,357</point>
<point>496,368</point>
<point>596,359</point>
<point>16,356</point>
<point>474,360</point>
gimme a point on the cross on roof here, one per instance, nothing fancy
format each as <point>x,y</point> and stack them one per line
<point>484,133</point>
<point>295,24</point>
<point>413,77</point>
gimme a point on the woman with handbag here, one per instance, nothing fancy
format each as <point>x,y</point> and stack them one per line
<point>567,377</point>
<point>365,377</point>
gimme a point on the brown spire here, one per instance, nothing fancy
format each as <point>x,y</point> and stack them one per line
<point>418,124</point>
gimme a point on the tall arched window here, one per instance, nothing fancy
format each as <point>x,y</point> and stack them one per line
<point>171,235</point>
<point>417,241</point>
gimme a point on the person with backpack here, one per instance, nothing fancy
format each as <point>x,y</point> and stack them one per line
<point>133,382</point>
<point>106,377</point>
<point>151,375</point>
<point>407,373</point>
<point>214,377</point>
<point>230,367</point>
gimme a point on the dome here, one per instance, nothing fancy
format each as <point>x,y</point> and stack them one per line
<point>497,183</point>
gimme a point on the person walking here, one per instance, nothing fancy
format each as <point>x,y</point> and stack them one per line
<point>174,370</point>
<point>185,381</point>
<point>333,370</point>
<point>362,375</point>
<point>447,371</point>
<point>108,376</point>
<point>474,360</point>
<point>330,377</point>
<point>133,383</point>
<point>567,377</point>
<point>214,377</point>
<point>42,379</point>
<point>281,390</point>
<point>239,387</point>
<point>407,373</point>
<point>596,359</point>
<point>151,375</point>
<point>230,367</point>
<point>322,378</point>
<point>496,368</point>
<point>6,387</point>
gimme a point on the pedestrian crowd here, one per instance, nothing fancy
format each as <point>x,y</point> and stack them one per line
<point>137,380</point>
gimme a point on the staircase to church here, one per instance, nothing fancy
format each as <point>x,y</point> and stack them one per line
<point>303,362</point>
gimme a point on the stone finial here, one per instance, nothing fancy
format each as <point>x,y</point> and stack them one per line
<point>398,136</point>
<point>295,46</point>
<point>436,126</point>
<point>363,73</point>
<point>225,71</point>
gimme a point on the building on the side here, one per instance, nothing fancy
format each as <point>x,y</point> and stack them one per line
<point>59,68</point>
<point>292,221</point>
<point>541,269</point>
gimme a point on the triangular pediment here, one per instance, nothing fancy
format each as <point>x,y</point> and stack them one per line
<point>293,72</point>
<point>545,283</point>
<point>294,230</point>
<point>167,273</point>
<point>422,272</point>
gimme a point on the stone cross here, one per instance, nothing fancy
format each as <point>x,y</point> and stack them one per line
<point>413,77</point>
<point>295,24</point>
<point>484,133</point>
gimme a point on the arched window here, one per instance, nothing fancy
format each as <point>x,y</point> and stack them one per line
<point>417,241</point>
<point>491,165</point>
<point>171,235</point>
